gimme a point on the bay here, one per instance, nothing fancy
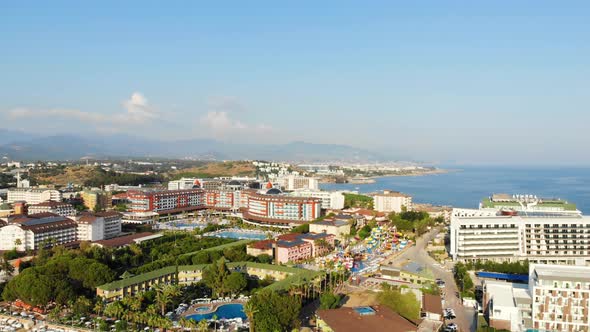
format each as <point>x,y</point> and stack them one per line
<point>465,186</point>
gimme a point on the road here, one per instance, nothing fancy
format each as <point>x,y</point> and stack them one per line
<point>466,317</point>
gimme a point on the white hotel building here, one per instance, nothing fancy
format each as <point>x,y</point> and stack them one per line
<point>544,238</point>
<point>33,196</point>
<point>333,200</point>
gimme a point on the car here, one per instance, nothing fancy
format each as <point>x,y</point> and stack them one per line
<point>453,326</point>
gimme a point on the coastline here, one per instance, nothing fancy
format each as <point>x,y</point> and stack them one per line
<point>372,179</point>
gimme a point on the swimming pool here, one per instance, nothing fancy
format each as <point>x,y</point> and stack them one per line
<point>202,309</point>
<point>241,235</point>
<point>227,311</point>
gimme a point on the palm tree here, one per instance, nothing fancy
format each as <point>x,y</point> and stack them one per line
<point>6,267</point>
<point>165,294</point>
<point>250,311</point>
<point>203,326</point>
<point>215,321</point>
<point>99,307</point>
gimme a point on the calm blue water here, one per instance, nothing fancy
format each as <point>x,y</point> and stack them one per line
<point>241,236</point>
<point>226,311</point>
<point>466,187</point>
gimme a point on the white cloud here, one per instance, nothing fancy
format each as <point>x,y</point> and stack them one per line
<point>138,108</point>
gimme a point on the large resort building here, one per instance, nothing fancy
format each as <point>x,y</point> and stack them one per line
<point>501,236</point>
<point>274,208</point>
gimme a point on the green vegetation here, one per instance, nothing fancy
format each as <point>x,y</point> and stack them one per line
<point>304,228</point>
<point>358,201</point>
<point>218,277</point>
<point>463,280</point>
<point>505,267</point>
<point>412,221</point>
<point>62,279</point>
<point>404,304</point>
<point>273,311</point>
<point>329,300</point>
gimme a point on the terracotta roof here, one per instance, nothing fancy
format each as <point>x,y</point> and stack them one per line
<point>50,204</point>
<point>348,320</point>
<point>264,244</point>
<point>122,240</point>
<point>432,303</point>
<point>120,196</point>
<point>87,219</point>
<point>108,214</point>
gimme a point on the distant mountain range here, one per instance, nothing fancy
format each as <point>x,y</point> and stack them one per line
<point>18,145</point>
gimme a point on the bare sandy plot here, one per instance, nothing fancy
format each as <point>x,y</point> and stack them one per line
<point>361,298</point>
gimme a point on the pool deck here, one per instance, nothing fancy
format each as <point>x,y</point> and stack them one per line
<point>192,310</point>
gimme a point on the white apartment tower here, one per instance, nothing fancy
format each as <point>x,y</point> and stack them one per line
<point>392,201</point>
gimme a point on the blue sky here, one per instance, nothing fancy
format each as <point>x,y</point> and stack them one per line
<point>450,81</point>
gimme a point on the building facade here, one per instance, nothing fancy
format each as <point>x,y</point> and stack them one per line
<point>392,201</point>
<point>166,201</point>
<point>97,200</point>
<point>59,208</point>
<point>547,238</point>
<point>293,247</point>
<point>184,183</point>
<point>275,208</point>
<point>98,226</point>
<point>222,199</point>
<point>560,297</point>
<point>330,199</point>
<point>32,233</point>
<point>297,182</point>
<point>33,196</point>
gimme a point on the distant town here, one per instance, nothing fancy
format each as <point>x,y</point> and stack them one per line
<point>258,246</point>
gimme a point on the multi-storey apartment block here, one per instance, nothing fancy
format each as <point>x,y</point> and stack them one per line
<point>392,201</point>
<point>509,236</point>
<point>560,297</point>
<point>167,201</point>
<point>330,199</point>
<point>293,247</point>
<point>98,226</point>
<point>33,196</point>
<point>59,208</point>
<point>222,199</point>
<point>296,182</point>
<point>34,231</point>
<point>275,208</point>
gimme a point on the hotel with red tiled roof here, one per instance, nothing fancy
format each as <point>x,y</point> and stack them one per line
<point>293,247</point>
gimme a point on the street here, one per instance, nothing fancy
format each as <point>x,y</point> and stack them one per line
<point>466,316</point>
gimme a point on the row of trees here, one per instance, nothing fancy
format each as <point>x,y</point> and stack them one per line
<point>463,280</point>
<point>504,267</point>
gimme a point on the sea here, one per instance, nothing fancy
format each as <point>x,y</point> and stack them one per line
<point>464,187</point>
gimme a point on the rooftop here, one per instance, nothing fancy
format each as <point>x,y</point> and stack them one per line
<point>432,303</point>
<point>355,319</point>
<point>503,200</point>
<point>558,272</point>
<point>122,240</point>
